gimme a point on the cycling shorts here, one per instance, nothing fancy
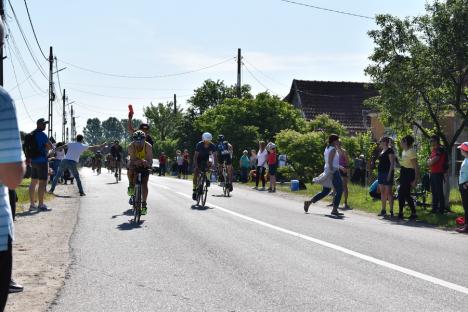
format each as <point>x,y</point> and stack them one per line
<point>225,158</point>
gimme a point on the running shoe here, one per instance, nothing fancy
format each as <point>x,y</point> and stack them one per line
<point>43,208</point>
<point>144,209</point>
<point>15,287</point>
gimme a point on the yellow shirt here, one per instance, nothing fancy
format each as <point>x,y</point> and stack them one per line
<point>140,154</point>
<point>407,157</point>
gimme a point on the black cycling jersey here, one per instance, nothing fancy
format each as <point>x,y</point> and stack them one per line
<point>149,139</point>
<point>116,152</point>
<point>204,151</point>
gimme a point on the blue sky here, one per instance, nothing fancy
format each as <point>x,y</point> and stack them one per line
<point>280,42</point>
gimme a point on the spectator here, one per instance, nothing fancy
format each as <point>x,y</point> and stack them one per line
<point>180,163</point>
<point>244,164</point>
<point>162,164</point>
<point>331,171</point>
<point>40,146</point>
<point>72,157</point>
<point>186,163</point>
<point>438,163</point>
<point>272,166</point>
<point>344,171</point>
<point>409,174</point>
<point>463,184</point>
<point>58,157</point>
<point>385,175</point>
<point>11,174</point>
<point>261,163</point>
<point>253,160</point>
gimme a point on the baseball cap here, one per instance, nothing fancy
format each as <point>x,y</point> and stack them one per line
<point>42,121</point>
<point>464,146</point>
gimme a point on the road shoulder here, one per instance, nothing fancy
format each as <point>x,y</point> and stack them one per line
<point>41,251</point>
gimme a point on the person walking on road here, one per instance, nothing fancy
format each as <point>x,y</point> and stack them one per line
<point>36,150</point>
<point>72,158</point>
<point>344,172</point>
<point>180,164</point>
<point>409,175</point>
<point>385,175</point>
<point>11,174</point>
<point>438,163</point>
<point>262,156</point>
<point>331,170</point>
<point>463,184</point>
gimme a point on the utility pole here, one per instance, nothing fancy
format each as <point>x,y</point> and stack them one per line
<point>2,15</point>
<point>72,119</point>
<point>51,93</point>
<point>64,116</point>
<point>239,67</point>
<point>66,136</point>
<point>175,104</point>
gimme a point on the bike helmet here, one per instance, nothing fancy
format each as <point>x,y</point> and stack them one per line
<point>138,136</point>
<point>207,137</point>
<point>221,138</point>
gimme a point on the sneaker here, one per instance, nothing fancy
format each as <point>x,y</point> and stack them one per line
<point>51,192</point>
<point>262,189</point>
<point>32,207</point>
<point>15,287</point>
<point>255,188</point>
<point>43,208</point>
<point>194,195</point>
<point>82,194</point>
<point>336,213</point>
<point>130,191</point>
<point>144,209</point>
<point>307,205</point>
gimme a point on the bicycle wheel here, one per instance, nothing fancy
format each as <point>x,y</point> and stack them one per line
<point>200,183</point>
<point>205,193</point>
<point>137,204</point>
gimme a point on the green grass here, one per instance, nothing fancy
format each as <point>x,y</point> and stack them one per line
<point>22,192</point>
<point>359,199</point>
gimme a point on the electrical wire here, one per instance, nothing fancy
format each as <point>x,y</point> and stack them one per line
<point>262,73</point>
<point>123,87</point>
<point>123,97</point>
<point>255,78</point>
<point>146,77</point>
<point>329,10</point>
<point>16,79</point>
<point>33,30</point>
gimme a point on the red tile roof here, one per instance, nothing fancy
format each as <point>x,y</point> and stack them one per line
<point>342,101</point>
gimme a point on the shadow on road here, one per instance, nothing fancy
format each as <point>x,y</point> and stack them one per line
<point>63,196</point>
<point>127,226</point>
<point>128,212</point>
<point>112,183</point>
<point>200,208</point>
<point>27,213</point>
<point>335,217</point>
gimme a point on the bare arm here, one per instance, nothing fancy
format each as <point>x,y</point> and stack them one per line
<point>11,174</point>
<point>149,154</point>
<point>129,125</point>
<point>96,147</point>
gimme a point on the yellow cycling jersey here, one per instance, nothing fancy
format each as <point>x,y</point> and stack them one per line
<point>140,154</point>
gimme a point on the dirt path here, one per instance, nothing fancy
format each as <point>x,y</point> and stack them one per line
<point>41,253</point>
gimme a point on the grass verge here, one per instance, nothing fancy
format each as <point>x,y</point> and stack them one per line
<point>22,192</point>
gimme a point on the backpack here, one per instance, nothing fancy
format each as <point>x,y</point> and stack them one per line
<point>30,147</point>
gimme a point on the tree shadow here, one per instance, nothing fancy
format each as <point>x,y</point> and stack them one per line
<point>200,208</point>
<point>128,226</point>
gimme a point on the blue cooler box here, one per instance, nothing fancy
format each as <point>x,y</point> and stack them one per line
<point>294,185</point>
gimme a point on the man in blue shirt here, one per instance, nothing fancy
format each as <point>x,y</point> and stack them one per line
<point>11,174</point>
<point>39,166</point>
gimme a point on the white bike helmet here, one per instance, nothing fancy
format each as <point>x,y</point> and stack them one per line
<point>207,137</point>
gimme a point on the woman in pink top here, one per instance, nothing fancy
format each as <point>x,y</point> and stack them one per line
<point>272,166</point>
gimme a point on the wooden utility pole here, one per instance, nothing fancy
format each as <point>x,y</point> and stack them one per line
<point>51,93</point>
<point>175,104</point>
<point>64,116</point>
<point>239,67</point>
<point>72,120</point>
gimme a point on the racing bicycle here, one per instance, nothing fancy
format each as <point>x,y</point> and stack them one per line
<point>117,169</point>
<point>202,187</point>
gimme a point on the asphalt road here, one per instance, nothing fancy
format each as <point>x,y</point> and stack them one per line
<point>253,252</point>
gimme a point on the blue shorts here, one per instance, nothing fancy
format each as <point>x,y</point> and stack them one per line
<point>382,178</point>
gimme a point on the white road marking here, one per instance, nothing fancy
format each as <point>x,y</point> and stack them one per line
<point>385,264</point>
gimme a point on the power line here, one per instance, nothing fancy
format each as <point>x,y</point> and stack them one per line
<point>122,97</point>
<point>327,9</point>
<point>33,30</point>
<point>123,87</point>
<point>147,77</point>
<point>255,78</point>
<point>16,78</point>
<point>263,74</point>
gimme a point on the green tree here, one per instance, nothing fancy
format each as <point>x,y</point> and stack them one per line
<point>112,129</point>
<point>325,124</point>
<point>420,67</point>
<point>163,120</point>
<point>213,93</point>
<point>93,131</point>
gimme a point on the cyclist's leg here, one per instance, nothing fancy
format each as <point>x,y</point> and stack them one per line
<point>144,186</point>
<point>195,181</point>
<point>131,181</point>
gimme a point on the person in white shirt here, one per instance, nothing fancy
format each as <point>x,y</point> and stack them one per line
<point>72,157</point>
<point>261,165</point>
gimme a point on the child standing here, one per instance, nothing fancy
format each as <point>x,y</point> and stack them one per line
<point>272,166</point>
<point>463,184</point>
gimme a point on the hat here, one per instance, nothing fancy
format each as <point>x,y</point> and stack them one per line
<point>464,146</point>
<point>42,121</point>
<point>144,126</point>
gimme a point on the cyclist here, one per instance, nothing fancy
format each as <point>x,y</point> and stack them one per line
<point>116,152</point>
<point>203,150</point>
<point>225,151</point>
<point>141,158</point>
<point>98,161</point>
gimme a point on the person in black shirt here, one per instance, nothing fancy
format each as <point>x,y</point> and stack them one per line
<point>201,158</point>
<point>116,152</point>
<point>385,171</point>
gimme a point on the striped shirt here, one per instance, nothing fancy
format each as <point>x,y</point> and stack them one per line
<point>10,152</point>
